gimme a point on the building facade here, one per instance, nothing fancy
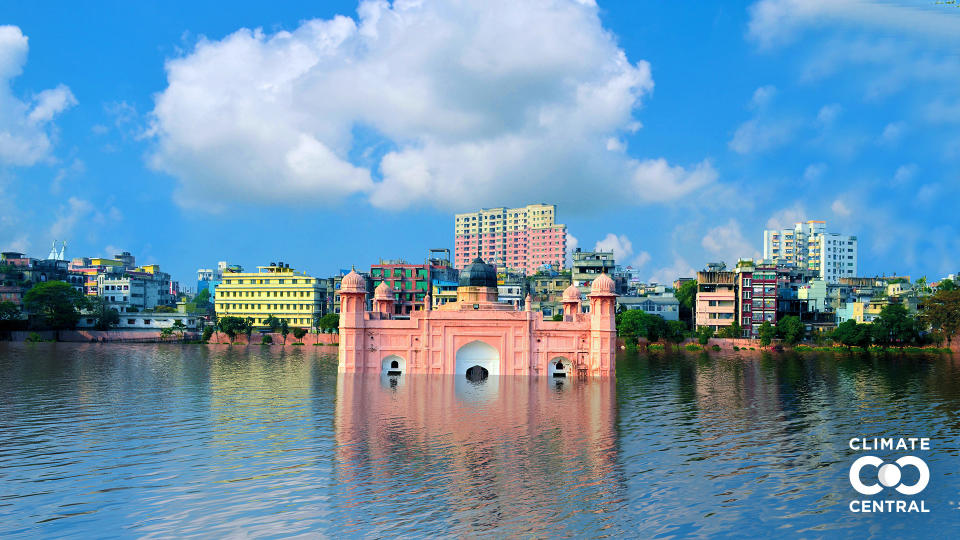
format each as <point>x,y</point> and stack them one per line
<point>275,290</point>
<point>809,245</point>
<point>716,304</point>
<point>477,336</point>
<point>411,283</point>
<point>524,239</point>
<point>665,305</point>
<point>587,265</point>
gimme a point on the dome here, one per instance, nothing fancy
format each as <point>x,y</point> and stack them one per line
<point>603,285</point>
<point>479,274</point>
<point>571,294</point>
<point>383,291</point>
<point>353,283</point>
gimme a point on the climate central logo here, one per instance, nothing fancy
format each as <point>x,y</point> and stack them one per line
<point>888,474</point>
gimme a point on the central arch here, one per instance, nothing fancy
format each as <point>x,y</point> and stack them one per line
<point>393,365</point>
<point>559,367</point>
<point>480,355</point>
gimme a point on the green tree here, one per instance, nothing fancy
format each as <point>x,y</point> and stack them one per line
<point>557,317</point>
<point>704,333</point>
<point>284,330</point>
<point>232,326</point>
<point>207,332</point>
<point>947,285</point>
<point>202,298</point>
<point>298,334</point>
<point>654,328</point>
<point>790,329</point>
<point>272,323</point>
<point>687,296</point>
<point>179,328</point>
<point>331,322</point>
<point>850,334</point>
<point>248,328</point>
<point>767,332</point>
<point>731,331</point>
<point>106,316</point>
<point>895,326</point>
<point>675,332</point>
<point>55,304</point>
<point>940,312</point>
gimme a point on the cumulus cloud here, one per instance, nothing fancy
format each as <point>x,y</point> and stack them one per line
<point>758,135</point>
<point>787,217</point>
<point>726,242</point>
<point>468,100</point>
<point>840,208</point>
<point>620,245</point>
<point>678,268</point>
<point>572,244</point>
<point>654,180</point>
<point>25,125</point>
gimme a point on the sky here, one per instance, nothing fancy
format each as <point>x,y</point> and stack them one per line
<point>333,134</point>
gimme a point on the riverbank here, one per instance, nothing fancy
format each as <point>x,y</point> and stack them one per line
<point>737,345</point>
<point>150,336</point>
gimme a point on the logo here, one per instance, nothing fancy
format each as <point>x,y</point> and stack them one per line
<point>889,475</point>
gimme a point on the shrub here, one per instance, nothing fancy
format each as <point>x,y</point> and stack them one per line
<point>736,348</point>
<point>655,347</point>
<point>207,333</point>
<point>693,347</point>
<point>266,339</point>
<point>715,347</point>
<point>34,337</point>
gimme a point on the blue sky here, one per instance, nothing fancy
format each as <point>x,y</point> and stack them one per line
<point>330,134</point>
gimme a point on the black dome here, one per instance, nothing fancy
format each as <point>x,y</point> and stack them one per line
<point>479,274</point>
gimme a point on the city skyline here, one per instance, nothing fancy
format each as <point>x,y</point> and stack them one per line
<point>112,149</point>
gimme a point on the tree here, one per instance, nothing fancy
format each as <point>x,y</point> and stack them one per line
<point>675,331</point>
<point>730,332</point>
<point>106,316</point>
<point>557,317</point>
<point>9,314</point>
<point>207,332</point>
<point>704,333</point>
<point>947,285</point>
<point>166,332</point>
<point>284,330</point>
<point>179,328</point>
<point>56,304</point>
<point>941,312</point>
<point>273,323</point>
<point>248,329</point>
<point>654,328</point>
<point>202,298</point>
<point>686,294</point>
<point>232,326</point>
<point>331,322</point>
<point>766,333</point>
<point>298,334</point>
<point>895,326</point>
<point>850,334</point>
<point>790,329</point>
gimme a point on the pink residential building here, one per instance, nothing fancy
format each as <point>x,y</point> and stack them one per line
<point>477,336</point>
<point>521,239</point>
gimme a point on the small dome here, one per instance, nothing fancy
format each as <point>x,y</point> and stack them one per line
<point>571,294</point>
<point>383,291</point>
<point>353,282</point>
<point>479,274</point>
<point>603,285</point>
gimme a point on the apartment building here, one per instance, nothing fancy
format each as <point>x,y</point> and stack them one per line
<point>275,290</point>
<point>411,282</point>
<point>523,239</point>
<point>809,245</point>
<point>588,265</point>
<point>716,304</point>
<point>757,295</point>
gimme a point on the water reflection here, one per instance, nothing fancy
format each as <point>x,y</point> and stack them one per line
<point>518,455</point>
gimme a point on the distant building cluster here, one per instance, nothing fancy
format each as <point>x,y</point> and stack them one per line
<point>524,239</point>
<point>809,246</point>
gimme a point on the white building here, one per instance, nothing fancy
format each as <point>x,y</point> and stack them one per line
<point>809,245</point>
<point>666,305</point>
<point>145,321</point>
<point>130,294</point>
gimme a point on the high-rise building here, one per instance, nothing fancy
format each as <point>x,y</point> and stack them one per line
<point>809,245</point>
<point>523,239</point>
<point>272,290</point>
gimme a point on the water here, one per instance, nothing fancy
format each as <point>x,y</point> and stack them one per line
<point>168,440</point>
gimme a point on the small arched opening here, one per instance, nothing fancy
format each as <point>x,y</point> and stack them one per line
<point>559,368</point>
<point>393,365</point>
<point>477,373</point>
<point>480,357</point>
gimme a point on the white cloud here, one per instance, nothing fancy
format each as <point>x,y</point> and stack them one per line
<point>620,245</point>
<point>787,217</point>
<point>25,130</point>
<point>654,180</point>
<point>640,260</point>
<point>69,216</point>
<point>904,174</point>
<point>763,95</point>
<point>777,22</point>
<point>840,208</point>
<point>727,243</point>
<point>892,132</point>
<point>828,113</point>
<point>572,244</point>
<point>678,268</point>
<point>473,100</point>
<point>814,171</point>
<point>758,135</point>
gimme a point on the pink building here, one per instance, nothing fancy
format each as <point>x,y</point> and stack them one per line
<point>522,239</point>
<point>476,336</point>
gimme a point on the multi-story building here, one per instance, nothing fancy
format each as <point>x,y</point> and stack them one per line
<point>135,289</point>
<point>664,305</point>
<point>757,292</point>
<point>275,290</point>
<point>409,282</point>
<point>716,304</point>
<point>525,238</point>
<point>546,292</point>
<point>443,292</point>
<point>809,245</point>
<point>588,265</point>
<point>209,278</point>
<point>511,289</point>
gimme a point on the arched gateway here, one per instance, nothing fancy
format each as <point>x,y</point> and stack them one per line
<point>476,335</point>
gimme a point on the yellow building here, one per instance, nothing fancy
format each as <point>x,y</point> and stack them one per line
<point>272,290</point>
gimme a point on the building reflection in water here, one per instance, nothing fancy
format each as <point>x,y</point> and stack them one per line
<point>519,454</point>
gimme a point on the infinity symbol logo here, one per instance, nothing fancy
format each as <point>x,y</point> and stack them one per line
<point>889,475</point>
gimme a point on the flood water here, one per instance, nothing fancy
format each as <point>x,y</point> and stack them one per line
<point>167,440</point>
